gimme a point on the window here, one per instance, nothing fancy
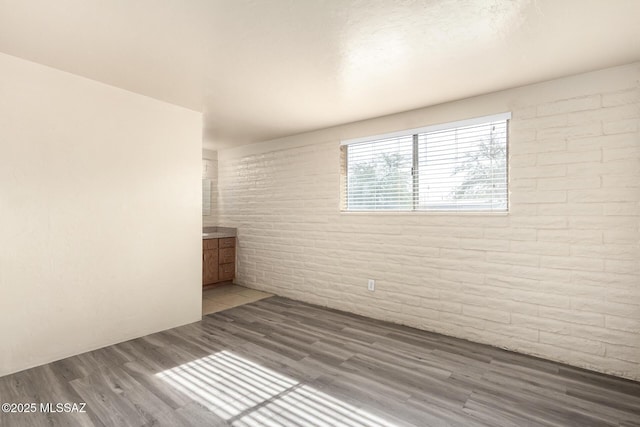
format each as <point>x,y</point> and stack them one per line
<point>459,166</point>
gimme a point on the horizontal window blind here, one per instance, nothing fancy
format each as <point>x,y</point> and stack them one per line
<point>379,175</point>
<point>462,167</point>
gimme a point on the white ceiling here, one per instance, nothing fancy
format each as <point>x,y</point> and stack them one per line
<point>261,69</point>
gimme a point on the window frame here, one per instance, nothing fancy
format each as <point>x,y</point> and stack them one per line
<point>415,160</point>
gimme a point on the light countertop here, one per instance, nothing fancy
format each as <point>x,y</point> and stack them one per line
<point>218,232</point>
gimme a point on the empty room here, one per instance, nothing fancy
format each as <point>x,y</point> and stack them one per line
<point>320,213</point>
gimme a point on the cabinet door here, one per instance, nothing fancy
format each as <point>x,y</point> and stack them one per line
<point>209,266</point>
<point>227,271</point>
<point>227,255</point>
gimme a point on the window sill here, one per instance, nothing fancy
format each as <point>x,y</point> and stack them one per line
<point>428,213</point>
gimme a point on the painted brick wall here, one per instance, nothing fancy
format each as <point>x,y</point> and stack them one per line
<point>558,277</point>
<point>210,172</point>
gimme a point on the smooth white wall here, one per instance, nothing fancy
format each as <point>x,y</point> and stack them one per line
<point>558,277</point>
<point>100,216</point>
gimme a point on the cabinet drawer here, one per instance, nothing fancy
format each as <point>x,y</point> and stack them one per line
<point>209,244</point>
<point>227,255</point>
<point>226,271</point>
<point>227,242</point>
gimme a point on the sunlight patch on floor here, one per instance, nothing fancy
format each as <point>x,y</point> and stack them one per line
<point>243,392</point>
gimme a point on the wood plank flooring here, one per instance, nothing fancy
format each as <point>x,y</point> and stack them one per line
<point>278,362</point>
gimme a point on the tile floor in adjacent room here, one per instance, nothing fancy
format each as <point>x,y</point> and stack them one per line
<point>228,296</point>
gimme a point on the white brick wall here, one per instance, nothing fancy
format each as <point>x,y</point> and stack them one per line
<point>558,277</point>
<point>210,172</point>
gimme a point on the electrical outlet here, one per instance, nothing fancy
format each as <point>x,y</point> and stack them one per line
<point>371,285</point>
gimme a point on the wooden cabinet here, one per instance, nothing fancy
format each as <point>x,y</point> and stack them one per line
<point>227,255</point>
<point>218,260</point>
<point>210,266</point>
<point>227,242</point>
<point>226,272</point>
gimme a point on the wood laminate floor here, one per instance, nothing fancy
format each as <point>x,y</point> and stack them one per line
<point>277,362</point>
